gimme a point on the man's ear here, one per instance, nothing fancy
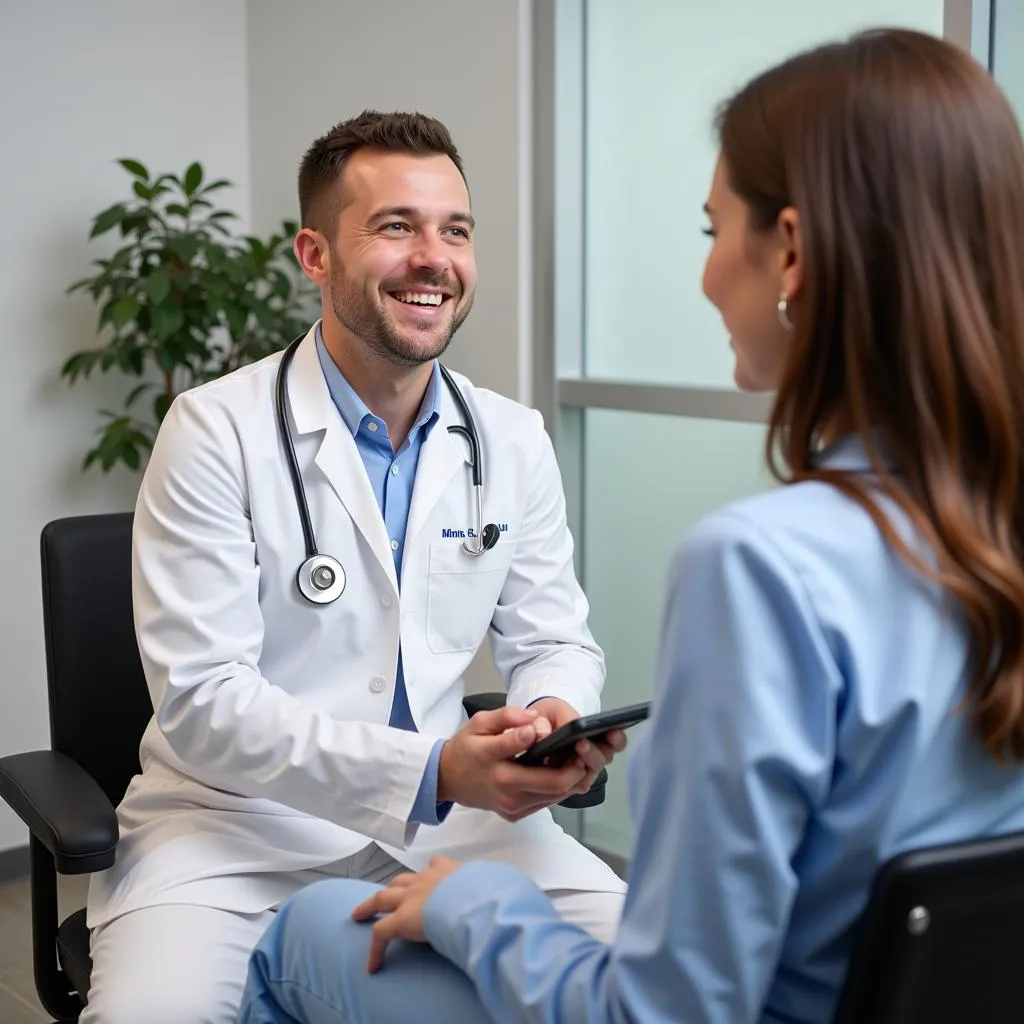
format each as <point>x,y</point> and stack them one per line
<point>314,255</point>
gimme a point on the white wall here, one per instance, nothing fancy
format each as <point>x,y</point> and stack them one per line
<point>82,84</point>
<point>313,63</point>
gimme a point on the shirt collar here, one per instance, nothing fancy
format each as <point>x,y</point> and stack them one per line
<point>356,413</point>
<point>850,452</point>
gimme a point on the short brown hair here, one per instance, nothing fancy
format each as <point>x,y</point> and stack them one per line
<point>905,162</point>
<point>325,160</point>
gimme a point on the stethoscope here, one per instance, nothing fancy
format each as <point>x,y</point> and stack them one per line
<point>321,578</point>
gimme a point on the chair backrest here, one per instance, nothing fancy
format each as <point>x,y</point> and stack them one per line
<point>941,938</point>
<point>99,703</point>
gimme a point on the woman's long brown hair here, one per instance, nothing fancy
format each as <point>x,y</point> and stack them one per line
<point>906,166</point>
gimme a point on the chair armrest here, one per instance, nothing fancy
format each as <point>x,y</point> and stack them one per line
<point>64,808</point>
<point>474,702</point>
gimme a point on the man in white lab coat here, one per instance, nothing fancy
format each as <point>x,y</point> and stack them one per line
<point>293,739</point>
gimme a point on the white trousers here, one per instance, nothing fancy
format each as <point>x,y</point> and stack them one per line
<point>185,964</point>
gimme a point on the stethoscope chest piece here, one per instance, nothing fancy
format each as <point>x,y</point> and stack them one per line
<point>321,579</point>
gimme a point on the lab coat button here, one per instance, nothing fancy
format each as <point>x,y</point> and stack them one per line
<point>378,684</point>
<point>386,600</point>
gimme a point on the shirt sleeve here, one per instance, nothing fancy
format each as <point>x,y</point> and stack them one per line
<point>427,809</point>
<point>738,753</point>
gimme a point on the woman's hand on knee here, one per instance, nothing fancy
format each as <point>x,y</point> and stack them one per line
<point>399,908</point>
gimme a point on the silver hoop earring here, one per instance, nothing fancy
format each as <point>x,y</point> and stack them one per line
<point>784,311</point>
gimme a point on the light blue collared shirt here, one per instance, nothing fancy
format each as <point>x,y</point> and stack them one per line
<point>806,727</point>
<point>392,475</point>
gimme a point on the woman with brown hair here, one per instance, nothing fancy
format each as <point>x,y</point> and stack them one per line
<point>841,670</point>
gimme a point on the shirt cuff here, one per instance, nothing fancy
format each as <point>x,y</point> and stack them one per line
<point>426,809</point>
<point>586,700</point>
<point>469,907</point>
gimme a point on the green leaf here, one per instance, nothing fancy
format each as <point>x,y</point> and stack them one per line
<point>107,219</point>
<point>223,215</point>
<point>193,177</point>
<point>137,220</point>
<point>158,287</point>
<point>85,282</point>
<point>139,389</point>
<point>79,365</point>
<point>167,319</point>
<point>143,191</point>
<point>281,285</point>
<point>109,449</point>
<point>215,185</point>
<point>177,209</point>
<point>130,454</point>
<point>134,361</point>
<point>134,167</point>
<point>124,310</point>
<point>183,246</point>
<point>264,317</point>
<point>160,406</point>
<point>236,317</point>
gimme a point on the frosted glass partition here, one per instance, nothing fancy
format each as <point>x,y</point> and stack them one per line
<point>655,72</point>
<point>1008,51</point>
<point>647,479</point>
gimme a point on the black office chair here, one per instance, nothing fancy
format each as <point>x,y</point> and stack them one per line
<point>941,938</point>
<point>99,707</point>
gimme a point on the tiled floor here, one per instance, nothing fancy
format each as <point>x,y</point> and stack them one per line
<point>18,1002</point>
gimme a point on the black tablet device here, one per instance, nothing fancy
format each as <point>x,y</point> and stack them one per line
<point>559,746</point>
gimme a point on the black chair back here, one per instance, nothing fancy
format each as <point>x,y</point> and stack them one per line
<point>941,938</point>
<point>99,703</point>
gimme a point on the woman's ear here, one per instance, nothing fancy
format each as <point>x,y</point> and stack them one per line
<point>790,252</point>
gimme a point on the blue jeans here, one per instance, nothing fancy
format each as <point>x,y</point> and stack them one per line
<point>310,968</point>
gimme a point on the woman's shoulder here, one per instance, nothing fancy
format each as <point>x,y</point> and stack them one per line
<point>809,539</point>
<point>796,520</point>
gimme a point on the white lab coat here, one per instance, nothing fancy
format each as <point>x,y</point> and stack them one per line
<point>269,750</point>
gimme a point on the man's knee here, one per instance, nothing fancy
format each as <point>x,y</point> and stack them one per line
<point>126,1002</point>
<point>171,965</point>
<point>598,913</point>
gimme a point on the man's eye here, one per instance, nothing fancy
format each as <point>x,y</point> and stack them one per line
<point>396,225</point>
<point>461,232</point>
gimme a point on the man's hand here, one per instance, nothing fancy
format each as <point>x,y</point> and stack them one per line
<point>403,901</point>
<point>478,769</point>
<point>594,755</point>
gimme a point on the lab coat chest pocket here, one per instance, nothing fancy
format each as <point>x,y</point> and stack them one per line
<point>462,593</point>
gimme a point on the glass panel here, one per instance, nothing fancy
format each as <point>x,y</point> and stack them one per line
<point>655,72</point>
<point>647,480</point>
<point>1008,51</point>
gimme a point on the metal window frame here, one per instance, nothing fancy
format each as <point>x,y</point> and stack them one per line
<point>558,224</point>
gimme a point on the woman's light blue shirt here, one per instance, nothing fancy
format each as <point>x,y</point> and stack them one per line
<point>807,726</point>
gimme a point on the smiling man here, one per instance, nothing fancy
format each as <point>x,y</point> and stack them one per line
<point>304,636</point>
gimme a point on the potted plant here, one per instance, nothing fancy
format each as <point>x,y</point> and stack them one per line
<point>182,301</point>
